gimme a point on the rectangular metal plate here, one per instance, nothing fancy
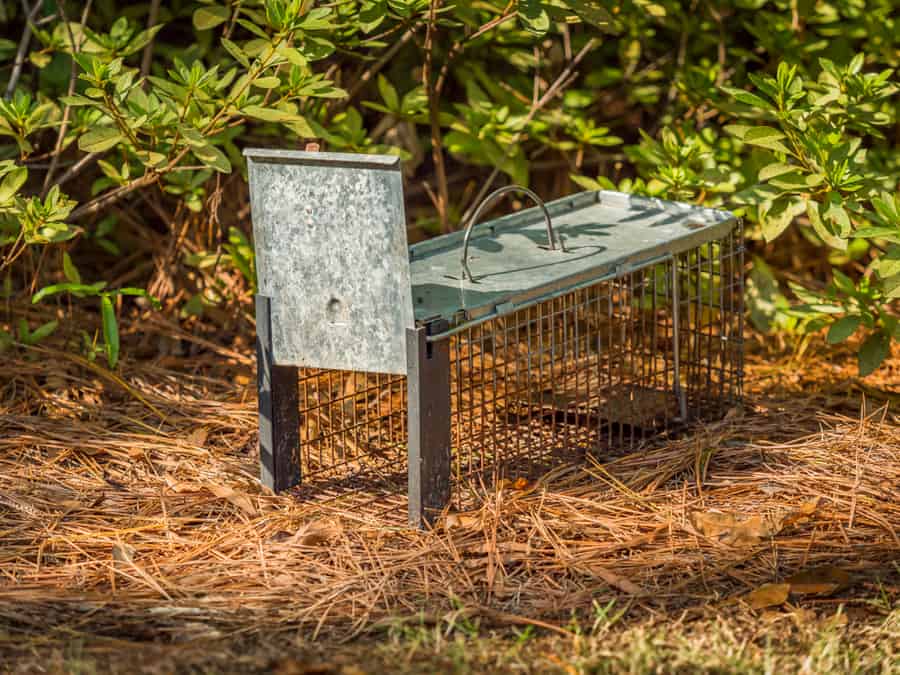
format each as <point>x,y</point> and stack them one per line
<point>605,233</point>
<point>331,252</point>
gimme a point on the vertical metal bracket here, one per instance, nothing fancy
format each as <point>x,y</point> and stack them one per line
<point>428,389</point>
<point>279,408</point>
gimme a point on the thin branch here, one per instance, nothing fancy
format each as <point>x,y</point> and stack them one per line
<point>434,101</point>
<point>79,166</point>
<point>458,46</point>
<point>376,67</point>
<point>563,80</point>
<point>73,76</point>
<point>235,13</point>
<point>147,57</point>
<point>23,46</point>
<point>111,197</point>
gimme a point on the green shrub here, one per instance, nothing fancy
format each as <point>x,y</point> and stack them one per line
<point>783,110</point>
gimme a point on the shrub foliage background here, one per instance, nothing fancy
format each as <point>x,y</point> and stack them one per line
<point>121,128</point>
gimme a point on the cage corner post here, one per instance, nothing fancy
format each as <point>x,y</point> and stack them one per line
<point>279,415</point>
<point>428,396</point>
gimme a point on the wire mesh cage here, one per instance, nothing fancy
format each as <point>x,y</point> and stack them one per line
<point>594,323</point>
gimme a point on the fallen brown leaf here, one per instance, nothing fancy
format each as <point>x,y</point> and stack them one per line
<point>241,501</point>
<point>198,437</point>
<point>466,521</point>
<point>768,595</point>
<point>800,514</point>
<point>318,532</point>
<point>735,529</point>
<point>822,581</point>
<point>181,487</point>
<point>615,580</point>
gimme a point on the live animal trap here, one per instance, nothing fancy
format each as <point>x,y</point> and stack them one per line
<point>594,322</point>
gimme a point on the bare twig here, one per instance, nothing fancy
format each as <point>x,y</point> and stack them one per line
<point>147,57</point>
<point>111,197</point>
<point>73,76</point>
<point>377,65</point>
<point>79,166</point>
<point>458,46</point>
<point>30,14</point>
<point>434,101</point>
<point>566,77</point>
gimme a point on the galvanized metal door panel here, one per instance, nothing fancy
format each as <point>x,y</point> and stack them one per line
<point>331,252</point>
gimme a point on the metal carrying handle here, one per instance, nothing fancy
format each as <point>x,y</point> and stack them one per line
<point>551,236</point>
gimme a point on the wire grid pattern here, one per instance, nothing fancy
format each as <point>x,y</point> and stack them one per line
<point>350,422</point>
<point>711,312</point>
<point>591,370</point>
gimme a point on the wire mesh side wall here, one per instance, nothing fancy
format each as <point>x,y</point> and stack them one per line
<point>351,422</point>
<point>595,369</point>
<point>590,369</point>
<point>711,292</point>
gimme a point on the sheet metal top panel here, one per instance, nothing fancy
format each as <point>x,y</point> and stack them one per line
<point>605,233</point>
<point>331,252</point>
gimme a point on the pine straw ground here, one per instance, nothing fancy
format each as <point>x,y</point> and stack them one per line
<point>135,537</point>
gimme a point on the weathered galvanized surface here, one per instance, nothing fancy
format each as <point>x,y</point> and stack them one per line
<point>605,233</point>
<point>331,253</point>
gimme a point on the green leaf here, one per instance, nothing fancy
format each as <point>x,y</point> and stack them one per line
<point>236,52</point>
<point>269,82</point>
<point>12,182</point>
<point>41,332</point>
<point>253,28</point>
<point>872,352</point>
<point>775,216</point>
<point>70,270</point>
<point>822,229</point>
<point>210,16</point>
<point>77,100</point>
<point>276,115</point>
<point>533,16</point>
<point>388,94</point>
<point>748,98</point>
<point>302,128</point>
<point>292,55</point>
<point>835,213</point>
<point>317,19</point>
<point>766,137</point>
<point>738,130</point>
<point>775,169</point>
<point>889,263</point>
<point>764,299</point>
<point>110,330</point>
<point>68,287</point>
<point>212,157</point>
<point>891,287</point>
<point>315,48</point>
<point>843,328</point>
<point>100,139</point>
<point>889,233</point>
<point>586,182</point>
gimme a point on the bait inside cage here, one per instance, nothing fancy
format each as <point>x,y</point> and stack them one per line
<point>595,323</point>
